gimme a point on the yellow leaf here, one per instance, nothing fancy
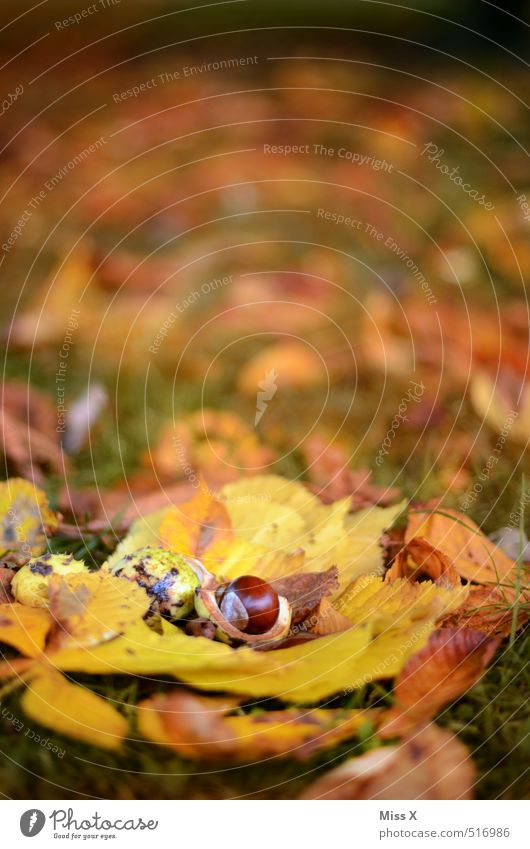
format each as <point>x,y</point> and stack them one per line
<point>24,628</point>
<point>198,727</point>
<point>72,710</point>
<point>278,528</point>
<point>25,519</point>
<point>400,602</point>
<point>93,607</point>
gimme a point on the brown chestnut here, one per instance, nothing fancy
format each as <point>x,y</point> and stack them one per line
<point>250,603</point>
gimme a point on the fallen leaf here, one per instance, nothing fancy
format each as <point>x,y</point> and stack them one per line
<point>429,764</point>
<point>90,608</point>
<point>199,728</point>
<point>325,620</point>
<point>489,610</point>
<point>267,526</point>
<point>442,671</point>
<point>83,414</point>
<point>390,603</point>
<point>24,628</point>
<point>473,555</point>
<point>25,520</point>
<point>512,541</point>
<point>6,576</point>
<point>296,365</point>
<point>199,528</point>
<point>503,403</point>
<point>374,648</point>
<point>72,710</point>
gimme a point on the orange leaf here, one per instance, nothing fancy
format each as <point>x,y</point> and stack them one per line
<point>473,555</point>
<point>450,663</point>
<point>199,528</point>
<point>420,559</point>
<point>24,628</point>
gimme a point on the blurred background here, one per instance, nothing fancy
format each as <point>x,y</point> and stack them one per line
<point>234,236</point>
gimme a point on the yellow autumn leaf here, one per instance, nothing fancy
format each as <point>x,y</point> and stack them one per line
<point>304,673</point>
<point>25,520</point>
<point>274,521</point>
<point>198,727</point>
<point>93,607</point>
<point>385,605</point>
<point>198,527</point>
<point>72,710</point>
<point>24,628</point>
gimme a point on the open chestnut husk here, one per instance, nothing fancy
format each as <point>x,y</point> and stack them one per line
<point>245,610</point>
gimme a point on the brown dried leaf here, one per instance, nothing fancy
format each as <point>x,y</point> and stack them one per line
<point>419,560</point>
<point>305,590</point>
<point>488,609</point>
<point>6,576</point>
<point>327,620</point>
<point>430,764</point>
